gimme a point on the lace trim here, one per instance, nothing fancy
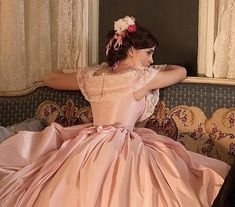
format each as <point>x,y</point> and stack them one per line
<point>144,76</point>
<point>151,101</point>
<point>87,78</point>
<point>81,77</point>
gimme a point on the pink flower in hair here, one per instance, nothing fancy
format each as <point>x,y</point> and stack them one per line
<point>132,28</point>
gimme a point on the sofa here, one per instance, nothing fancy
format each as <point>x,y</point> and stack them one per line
<point>198,112</point>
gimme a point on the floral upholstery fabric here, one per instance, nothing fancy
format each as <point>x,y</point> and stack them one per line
<point>66,115</point>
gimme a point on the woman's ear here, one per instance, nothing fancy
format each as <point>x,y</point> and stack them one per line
<point>131,51</point>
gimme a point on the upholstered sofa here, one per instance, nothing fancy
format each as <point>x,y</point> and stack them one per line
<point>199,113</point>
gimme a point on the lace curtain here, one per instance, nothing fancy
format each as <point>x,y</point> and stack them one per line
<point>37,37</point>
<point>216,44</point>
<point>224,47</point>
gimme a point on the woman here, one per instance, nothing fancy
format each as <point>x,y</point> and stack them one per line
<point>110,163</point>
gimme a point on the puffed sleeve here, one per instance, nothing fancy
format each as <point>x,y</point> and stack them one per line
<point>81,77</point>
<point>143,77</point>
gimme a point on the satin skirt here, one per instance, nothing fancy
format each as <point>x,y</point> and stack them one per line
<point>90,166</point>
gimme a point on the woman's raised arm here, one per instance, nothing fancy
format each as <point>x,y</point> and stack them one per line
<point>61,81</point>
<point>170,75</point>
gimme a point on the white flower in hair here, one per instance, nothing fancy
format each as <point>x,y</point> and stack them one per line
<point>123,24</point>
<point>129,20</point>
<point>121,27</point>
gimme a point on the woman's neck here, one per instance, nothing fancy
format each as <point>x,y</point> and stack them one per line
<point>122,66</point>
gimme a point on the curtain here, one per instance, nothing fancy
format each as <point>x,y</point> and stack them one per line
<point>224,64</point>
<point>206,36</point>
<point>37,37</point>
<point>216,38</point>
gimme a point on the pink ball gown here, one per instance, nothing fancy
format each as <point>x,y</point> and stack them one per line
<point>109,163</point>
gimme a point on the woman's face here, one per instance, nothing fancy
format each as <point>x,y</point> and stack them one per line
<point>143,57</point>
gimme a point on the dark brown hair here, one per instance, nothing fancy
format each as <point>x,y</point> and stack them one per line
<point>140,39</point>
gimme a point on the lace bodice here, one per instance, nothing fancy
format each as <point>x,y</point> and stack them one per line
<point>111,95</point>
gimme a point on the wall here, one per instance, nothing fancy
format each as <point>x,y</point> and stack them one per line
<point>173,22</point>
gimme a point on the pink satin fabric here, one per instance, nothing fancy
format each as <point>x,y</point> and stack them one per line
<point>108,112</point>
<point>108,164</point>
<point>104,166</point>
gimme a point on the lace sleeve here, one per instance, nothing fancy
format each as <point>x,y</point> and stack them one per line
<point>143,77</point>
<point>159,67</point>
<point>81,77</point>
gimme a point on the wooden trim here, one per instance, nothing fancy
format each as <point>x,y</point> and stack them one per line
<point>207,17</point>
<point>205,80</point>
<point>84,44</point>
<point>24,91</point>
<point>93,32</point>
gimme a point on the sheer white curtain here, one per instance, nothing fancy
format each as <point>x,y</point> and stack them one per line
<point>216,44</point>
<point>224,47</point>
<point>40,36</point>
